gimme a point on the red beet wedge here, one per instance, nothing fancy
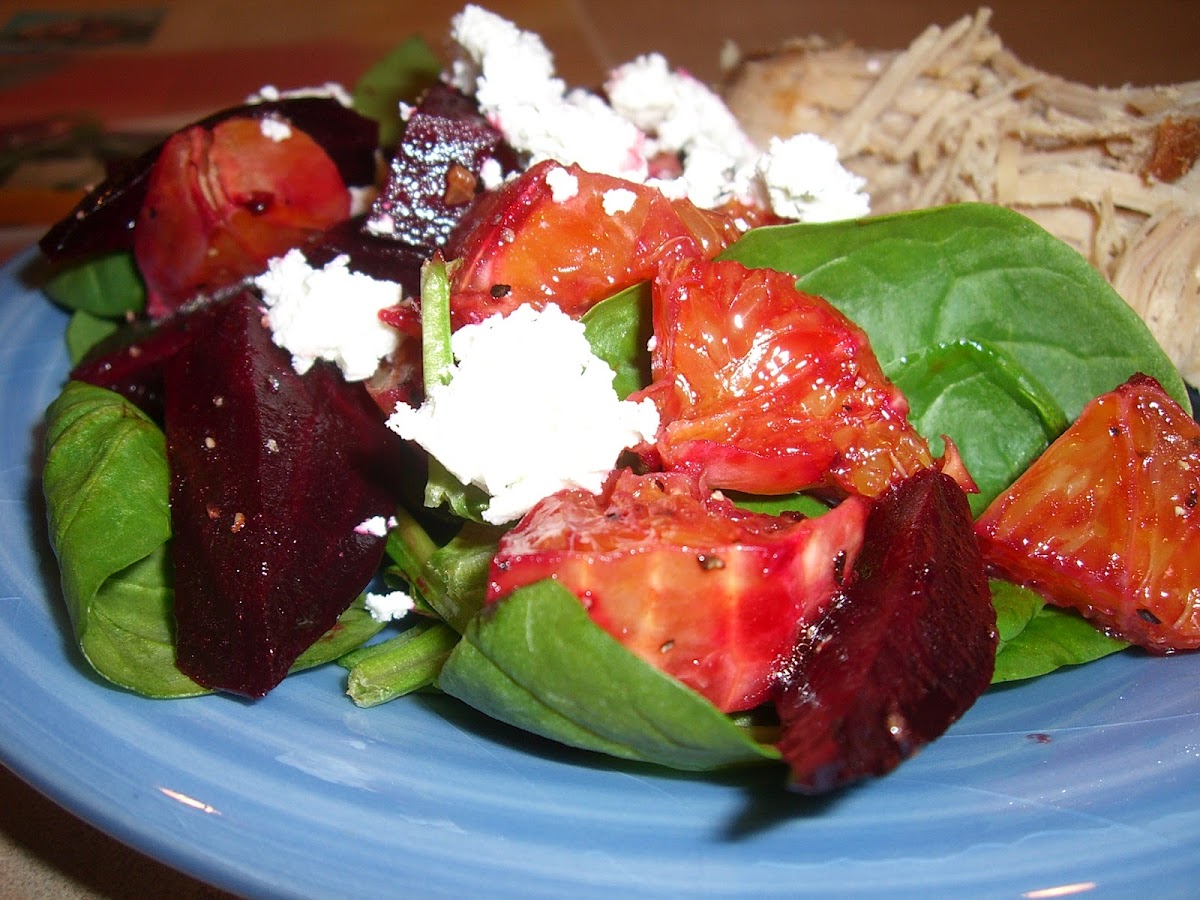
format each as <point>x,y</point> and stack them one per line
<point>435,173</point>
<point>132,360</point>
<point>270,474</point>
<point>903,653</point>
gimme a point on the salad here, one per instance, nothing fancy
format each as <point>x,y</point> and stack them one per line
<point>648,440</point>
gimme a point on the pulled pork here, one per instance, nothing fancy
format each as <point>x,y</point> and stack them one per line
<point>956,117</point>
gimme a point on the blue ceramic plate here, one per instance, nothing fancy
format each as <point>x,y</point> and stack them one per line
<point>1086,781</point>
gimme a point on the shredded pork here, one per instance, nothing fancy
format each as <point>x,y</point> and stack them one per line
<point>956,117</point>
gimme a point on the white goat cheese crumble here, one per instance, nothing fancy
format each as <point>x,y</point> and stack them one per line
<point>329,313</point>
<point>650,109</point>
<point>804,181</point>
<point>618,200</point>
<point>331,89</point>
<point>390,606</point>
<point>511,75</point>
<point>529,410</point>
<point>274,128</point>
<point>563,185</point>
<point>376,526</point>
<point>677,109</point>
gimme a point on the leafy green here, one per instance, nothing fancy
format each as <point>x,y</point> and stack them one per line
<point>537,661</point>
<point>355,626</point>
<point>461,568</point>
<point>998,332</point>
<point>1036,638</point>
<point>398,77</point>
<point>977,273</point>
<point>106,484</point>
<point>409,547</point>
<point>467,501</point>
<point>398,666</point>
<point>450,579</point>
<point>100,292</point>
<point>107,286</point>
<point>805,504</point>
<point>84,331</point>
<point>948,383</point>
<point>442,487</point>
<point>618,330</point>
<point>437,356</point>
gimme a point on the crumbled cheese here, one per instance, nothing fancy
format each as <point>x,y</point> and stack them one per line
<point>563,185</point>
<point>331,89</point>
<point>361,199</point>
<point>381,225</point>
<point>500,63</point>
<point>679,110</point>
<point>712,177</point>
<point>491,174</point>
<point>804,181</point>
<point>511,75</point>
<point>682,115</point>
<point>618,200</point>
<point>651,109</point>
<point>529,411</point>
<point>376,526</point>
<point>390,606</point>
<point>274,128</point>
<point>329,313</point>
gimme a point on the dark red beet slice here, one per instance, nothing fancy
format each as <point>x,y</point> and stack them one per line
<point>905,651</point>
<point>131,362</point>
<point>380,258</point>
<point>271,472</point>
<point>434,172</point>
<point>103,221</point>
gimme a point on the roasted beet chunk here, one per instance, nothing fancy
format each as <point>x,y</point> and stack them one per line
<point>131,362</point>
<point>904,652</point>
<point>379,258</point>
<point>271,472</point>
<point>435,172</point>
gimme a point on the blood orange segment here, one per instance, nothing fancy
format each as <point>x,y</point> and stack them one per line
<point>564,235</point>
<point>710,594</point>
<point>1107,520</point>
<point>769,390</point>
<point>220,202</point>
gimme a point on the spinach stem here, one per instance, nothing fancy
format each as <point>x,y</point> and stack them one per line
<point>406,663</point>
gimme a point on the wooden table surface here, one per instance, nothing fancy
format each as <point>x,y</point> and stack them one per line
<point>177,60</point>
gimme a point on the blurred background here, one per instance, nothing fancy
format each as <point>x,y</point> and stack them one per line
<point>115,74</point>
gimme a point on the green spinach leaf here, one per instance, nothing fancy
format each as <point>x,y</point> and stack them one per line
<point>405,663</point>
<point>355,626</point>
<point>461,568</point>
<point>618,330</point>
<point>971,272</point>
<point>537,661</point>
<point>1036,638</point>
<point>451,579</point>
<point>400,76</point>
<point>84,331</point>
<point>106,485</point>
<point>804,504</point>
<point>107,286</point>
<point>442,487</point>
<point>948,383</point>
